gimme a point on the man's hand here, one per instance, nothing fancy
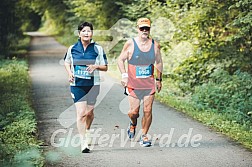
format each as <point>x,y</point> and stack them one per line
<point>124,80</point>
<point>159,86</point>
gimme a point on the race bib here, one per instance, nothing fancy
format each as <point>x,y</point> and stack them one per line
<point>81,72</point>
<point>143,71</point>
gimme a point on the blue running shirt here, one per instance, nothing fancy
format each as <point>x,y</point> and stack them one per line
<point>80,58</point>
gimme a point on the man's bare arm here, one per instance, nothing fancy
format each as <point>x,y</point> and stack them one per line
<point>159,61</point>
<point>159,67</point>
<point>123,56</point>
<point>121,60</point>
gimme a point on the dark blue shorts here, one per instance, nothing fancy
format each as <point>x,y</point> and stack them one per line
<point>85,93</point>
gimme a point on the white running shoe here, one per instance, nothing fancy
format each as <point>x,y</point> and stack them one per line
<point>144,141</point>
<point>84,147</point>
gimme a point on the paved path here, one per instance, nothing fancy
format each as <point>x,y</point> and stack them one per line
<point>179,140</point>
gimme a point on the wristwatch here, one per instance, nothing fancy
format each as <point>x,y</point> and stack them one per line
<point>159,79</point>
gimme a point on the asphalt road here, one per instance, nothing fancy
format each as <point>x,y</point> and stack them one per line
<point>178,140</point>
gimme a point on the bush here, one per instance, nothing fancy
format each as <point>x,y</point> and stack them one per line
<point>230,94</point>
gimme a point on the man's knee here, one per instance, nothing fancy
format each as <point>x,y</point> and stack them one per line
<point>147,112</point>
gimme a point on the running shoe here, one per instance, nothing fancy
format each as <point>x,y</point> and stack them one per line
<point>84,147</point>
<point>144,141</point>
<point>131,130</point>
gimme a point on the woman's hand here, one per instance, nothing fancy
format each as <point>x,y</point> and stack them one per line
<point>70,77</point>
<point>91,68</point>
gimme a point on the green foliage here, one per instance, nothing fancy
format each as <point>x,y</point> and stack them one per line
<point>103,14</point>
<point>90,11</point>
<point>243,24</point>
<point>230,94</point>
<point>62,17</point>
<point>137,9</point>
<point>193,71</point>
<point>16,17</point>
<point>218,40</point>
<point>17,123</point>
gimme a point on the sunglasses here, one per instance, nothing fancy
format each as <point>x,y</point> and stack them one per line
<point>144,28</point>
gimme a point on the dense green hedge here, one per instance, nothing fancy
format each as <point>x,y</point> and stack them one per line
<point>224,106</point>
<point>18,143</point>
<point>229,94</point>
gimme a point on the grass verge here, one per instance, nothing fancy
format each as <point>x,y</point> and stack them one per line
<point>19,145</point>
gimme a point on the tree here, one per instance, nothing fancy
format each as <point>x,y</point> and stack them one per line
<point>16,17</point>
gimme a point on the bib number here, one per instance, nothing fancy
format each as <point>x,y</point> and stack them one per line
<point>143,71</point>
<point>81,72</point>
